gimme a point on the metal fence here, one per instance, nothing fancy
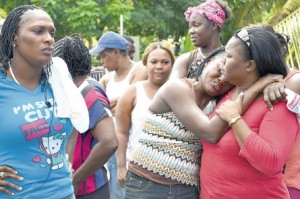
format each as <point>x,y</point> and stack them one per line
<point>291,27</point>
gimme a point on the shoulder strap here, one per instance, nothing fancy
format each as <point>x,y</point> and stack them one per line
<point>291,73</point>
<point>192,57</point>
<point>135,65</point>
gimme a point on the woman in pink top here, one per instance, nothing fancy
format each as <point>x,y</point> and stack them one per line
<point>248,160</point>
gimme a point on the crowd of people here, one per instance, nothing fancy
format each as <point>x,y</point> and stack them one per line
<point>217,122</point>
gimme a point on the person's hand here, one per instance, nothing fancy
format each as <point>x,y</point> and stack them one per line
<point>5,173</point>
<point>76,182</point>
<point>76,186</point>
<point>230,109</point>
<point>274,93</point>
<point>121,176</point>
<point>266,80</point>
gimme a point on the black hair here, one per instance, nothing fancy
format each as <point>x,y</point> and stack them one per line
<point>218,52</point>
<point>130,48</point>
<point>225,8</point>
<point>214,53</point>
<point>129,39</point>
<point>265,50</point>
<point>9,29</point>
<point>74,52</point>
<point>282,38</point>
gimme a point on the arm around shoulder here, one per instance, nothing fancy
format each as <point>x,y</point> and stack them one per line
<point>176,96</point>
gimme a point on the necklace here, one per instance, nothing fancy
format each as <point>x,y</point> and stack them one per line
<point>200,52</point>
<point>12,74</point>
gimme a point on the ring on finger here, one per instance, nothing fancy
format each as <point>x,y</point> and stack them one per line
<point>2,175</point>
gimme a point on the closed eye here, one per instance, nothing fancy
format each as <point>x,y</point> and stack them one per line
<point>221,70</point>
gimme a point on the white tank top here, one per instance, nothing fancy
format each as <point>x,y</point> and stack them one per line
<point>115,89</point>
<point>138,116</point>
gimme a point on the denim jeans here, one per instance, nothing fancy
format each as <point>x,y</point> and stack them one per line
<point>116,191</point>
<point>101,193</point>
<point>141,188</point>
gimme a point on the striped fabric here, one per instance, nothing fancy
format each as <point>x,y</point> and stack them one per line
<point>85,141</point>
<point>167,148</point>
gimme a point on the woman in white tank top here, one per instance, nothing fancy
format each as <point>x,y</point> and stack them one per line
<point>134,102</point>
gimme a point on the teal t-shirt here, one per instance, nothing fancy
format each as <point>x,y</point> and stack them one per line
<point>33,140</point>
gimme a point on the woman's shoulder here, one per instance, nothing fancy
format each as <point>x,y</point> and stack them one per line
<point>176,86</point>
<point>185,56</point>
<point>292,81</point>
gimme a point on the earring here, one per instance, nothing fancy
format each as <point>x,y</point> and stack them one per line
<point>14,45</point>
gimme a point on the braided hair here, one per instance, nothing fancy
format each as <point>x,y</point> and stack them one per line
<point>9,29</point>
<point>73,51</point>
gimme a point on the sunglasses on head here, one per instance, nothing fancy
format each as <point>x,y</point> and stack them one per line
<point>243,35</point>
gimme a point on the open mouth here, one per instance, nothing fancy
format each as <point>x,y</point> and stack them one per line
<point>216,85</point>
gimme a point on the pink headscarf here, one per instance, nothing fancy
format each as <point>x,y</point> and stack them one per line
<point>210,10</point>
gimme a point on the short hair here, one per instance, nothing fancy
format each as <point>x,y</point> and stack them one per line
<point>155,45</point>
<point>265,50</point>
<point>74,52</point>
<point>9,29</point>
<point>129,39</point>
<point>130,46</point>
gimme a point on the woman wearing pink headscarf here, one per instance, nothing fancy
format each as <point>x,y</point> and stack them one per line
<point>205,22</point>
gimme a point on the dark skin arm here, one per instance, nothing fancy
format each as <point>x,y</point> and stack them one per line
<point>180,66</point>
<point>176,96</point>
<point>104,133</point>
<point>6,185</point>
<point>123,124</point>
<point>71,144</point>
<point>275,92</point>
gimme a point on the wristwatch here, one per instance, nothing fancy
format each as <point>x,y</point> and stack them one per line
<point>234,120</point>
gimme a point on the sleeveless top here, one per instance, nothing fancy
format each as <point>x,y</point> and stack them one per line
<point>292,170</point>
<point>138,116</point>
<point>167,148</point>
<point>115,89</point>
<point>193,65</point>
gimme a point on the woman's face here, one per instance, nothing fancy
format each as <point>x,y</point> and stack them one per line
<point>234,62</point>
<point>35,38</point>
<point>200,30</point>
<point>159,66</point>
<point>212,78</point>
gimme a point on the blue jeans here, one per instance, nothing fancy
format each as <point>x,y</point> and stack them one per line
<point>141,188</point>
<point>116,191</point>
<point>102,192</point>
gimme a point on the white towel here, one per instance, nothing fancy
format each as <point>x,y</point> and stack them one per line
<point>69,101</point>
<point>293,102</point>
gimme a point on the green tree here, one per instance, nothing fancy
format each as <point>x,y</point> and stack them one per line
<point>159,18</point>
<point>149,19</point>
<point>247,12</point>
